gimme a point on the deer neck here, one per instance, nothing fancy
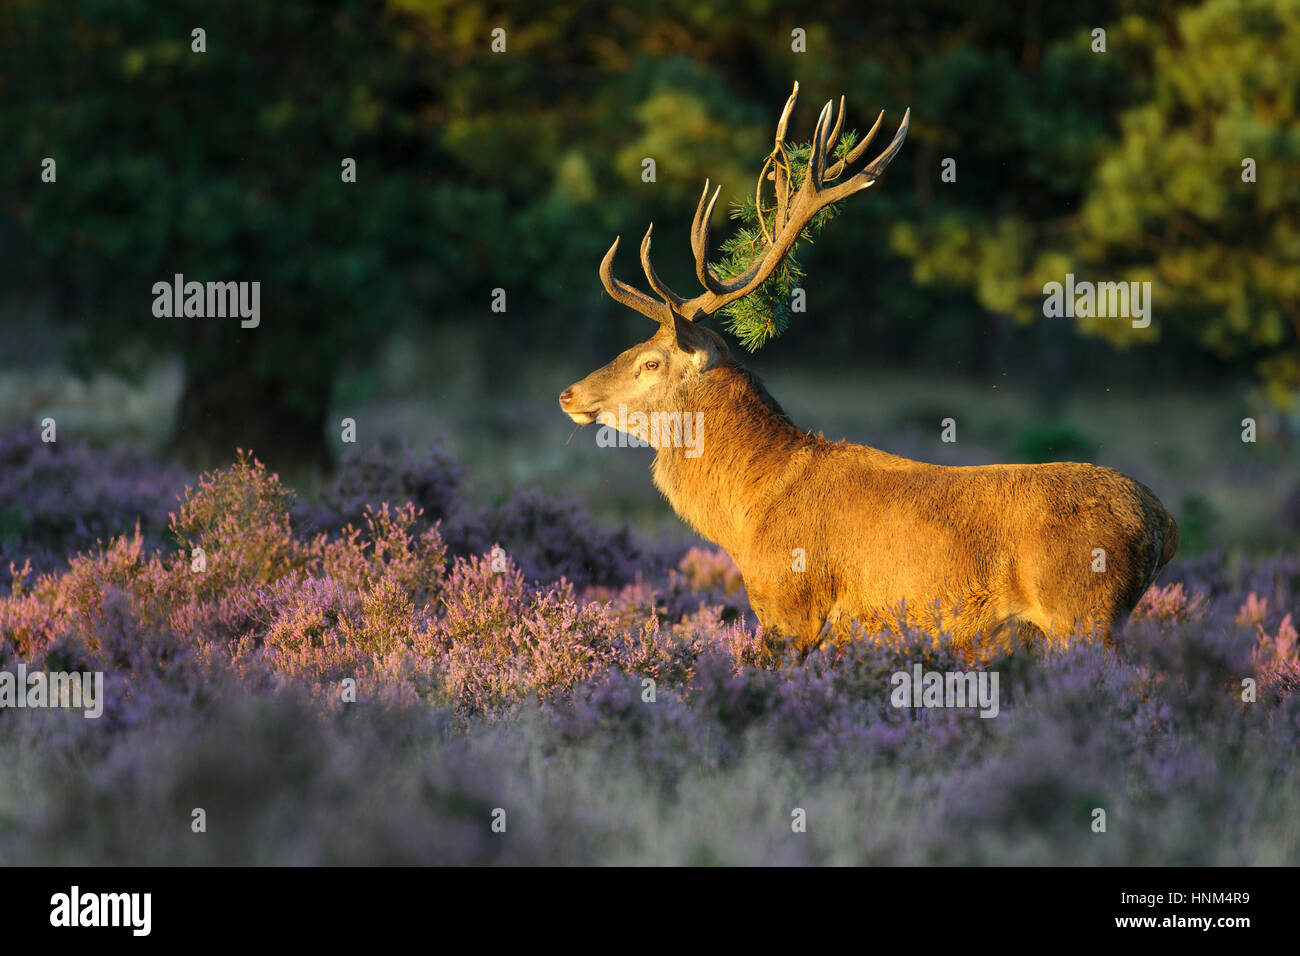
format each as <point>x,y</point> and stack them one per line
<point>743,441</point>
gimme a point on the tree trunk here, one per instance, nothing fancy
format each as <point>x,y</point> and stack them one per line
<point>1054,366</point>
<point>224,407</point>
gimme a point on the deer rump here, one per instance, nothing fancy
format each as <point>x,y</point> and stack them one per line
<point>987,552</point>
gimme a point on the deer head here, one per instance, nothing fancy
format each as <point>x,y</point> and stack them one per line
<point>658,374</point>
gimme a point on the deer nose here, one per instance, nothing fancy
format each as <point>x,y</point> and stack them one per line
<point>566,396</point>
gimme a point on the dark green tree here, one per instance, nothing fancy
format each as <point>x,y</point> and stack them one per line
<point>224,165</point>
<point>478,170</point>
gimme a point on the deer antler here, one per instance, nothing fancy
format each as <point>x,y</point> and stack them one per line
<point>625,294</point>
<point>792,215</point>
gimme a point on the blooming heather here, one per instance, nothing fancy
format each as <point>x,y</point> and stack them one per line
<point>337,683</point>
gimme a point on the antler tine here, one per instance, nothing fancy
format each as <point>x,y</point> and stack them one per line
<point>780,170</point>
<point>624,294</point>
<point>834,139</point>
<point>857,151</point>
<point>871,172</point>
<point>817,160</point>
<point>784,121</point>
<point>700,248</point>
<point>878,165</point>
<point>700,241</point>
<point>665,293</point>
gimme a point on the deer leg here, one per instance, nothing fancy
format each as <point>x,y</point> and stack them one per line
<point>786,626</point>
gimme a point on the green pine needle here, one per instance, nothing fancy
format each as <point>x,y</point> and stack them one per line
<point>764,314</point>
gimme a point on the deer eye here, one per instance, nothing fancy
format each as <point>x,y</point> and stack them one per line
<point>651,365</point>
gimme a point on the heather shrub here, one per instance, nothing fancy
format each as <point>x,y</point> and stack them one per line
<point>371,474</point>
<point>391,547</point>
<point>62,497</point>
<point>551,539</point>
<point>1276,657</point>
<point>505,640</point>
<point>239,517</point>
<point>1170,604</point>
<point>1216,575</point>
<point>38,611</point>
<point>635,715</point>
<point>299,632</point>
<point>704,568</point>
<point>704,580</point>
<point>546,538</point>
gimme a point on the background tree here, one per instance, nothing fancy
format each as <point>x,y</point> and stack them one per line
<point>480,170</point>
<point>1160,192</point>
<point>224,165</point>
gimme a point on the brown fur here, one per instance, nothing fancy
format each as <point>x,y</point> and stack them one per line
<point>983,552</point>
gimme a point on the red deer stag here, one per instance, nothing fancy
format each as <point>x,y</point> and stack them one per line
<point>828,533</point>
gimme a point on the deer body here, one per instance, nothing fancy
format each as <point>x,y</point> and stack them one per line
<point>831,534</point>
<point>827,534</point>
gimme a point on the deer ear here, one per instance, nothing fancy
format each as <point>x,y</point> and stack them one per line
<point>704,357</point>
<point>703,352</point>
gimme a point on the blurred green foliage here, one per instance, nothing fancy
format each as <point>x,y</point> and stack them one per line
<point>1197,521</point>
<point>479,170</point>
<point>1054,441</point>
<point>1156,190</point>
